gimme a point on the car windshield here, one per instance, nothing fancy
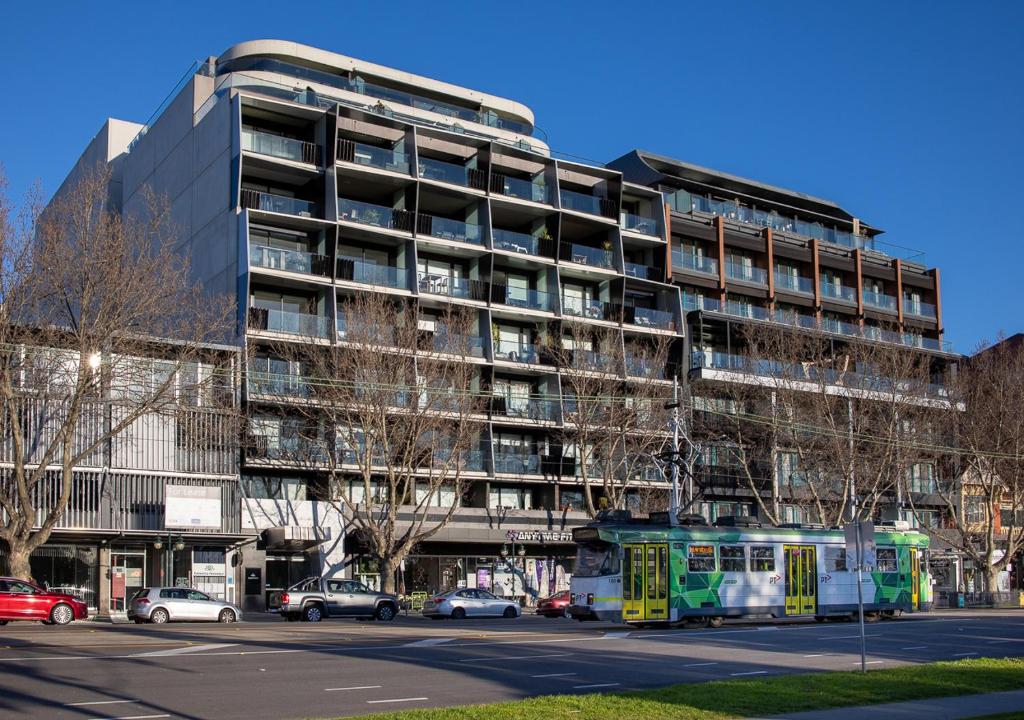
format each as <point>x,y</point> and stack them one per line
<point>596,560</point>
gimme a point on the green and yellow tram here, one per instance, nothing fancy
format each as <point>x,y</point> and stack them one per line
<point>660,571</point>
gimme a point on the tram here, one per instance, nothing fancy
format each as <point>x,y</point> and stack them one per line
<point>666,570</point>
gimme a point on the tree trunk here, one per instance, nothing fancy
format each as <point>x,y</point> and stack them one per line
<point>991,579</point>
<point>18,559</point>
<point>388,568</point>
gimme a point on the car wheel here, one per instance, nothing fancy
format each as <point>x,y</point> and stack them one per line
<point>386,612</point>
<point>313,613</point>
<point>715,622</point>
<point>458,614</point>
<point>510,612</point>
<point>159,616</point>
<point>226,616</point>
<point>61,614</point>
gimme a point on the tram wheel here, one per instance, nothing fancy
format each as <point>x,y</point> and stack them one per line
<point>716,621</point>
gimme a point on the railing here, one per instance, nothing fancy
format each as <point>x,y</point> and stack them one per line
<point>451,173</point>
<point>639,223</point>
<point>644,272</point>
<point>448,229</point>
<point>840,327</point>
<point>454,343</point>
<point>584,255</point>
<point>279,381</point>
<point>788,317</point>
<point>375,215</point>
<point>515,352</point>
<point>264,143</point>
<point>595,360</point>
<point>516,463</point>
<point>879,300</point>
<point>372,156</point>
<point>838,292</point>
<point>691,261</point>
<point>917,308</point>
<point>649,317</point>
<point>268,202</point>
<point>530,299</point>
<point>291,260</point>
<point>285,321</point>
<point>745,310</point>
<point>516,242</point>
<point>369,273</point>
<point>642,367</point>
<point>796,283</point>
<point>519,188</point>
<point>590,309</point>
<point>456,287</point>
<point>531,408</point>
<point>591,204</point>
<point>748,273</point>
<point>360,331</point>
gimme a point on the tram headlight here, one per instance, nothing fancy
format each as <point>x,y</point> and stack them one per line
<point>590,598</point>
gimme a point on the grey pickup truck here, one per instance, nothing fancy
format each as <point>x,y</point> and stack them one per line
<point>314,599</point>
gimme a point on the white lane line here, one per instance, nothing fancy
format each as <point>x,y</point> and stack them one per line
<point>131,717</point>
<point>99,702</point>
<point>752,672</point>
<point>849,637</point>
<point>186,650</point>
<point>554,675</point>
<point>619,634</point>
<point>378,702</point>
<point>700,664</point>
<point>915,647</point>
<point>598,685</point>
<point>869,662</point>
<point>964,654</point>
<point>501,658</point>
<point>816,655</point>
<point>769,627</point>
<point>354,687</point>
<point>429,642</point>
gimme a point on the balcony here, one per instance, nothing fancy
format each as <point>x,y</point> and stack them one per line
<point>512,463</point>
<point>589,309</point>
<point>455,287</point>
<point>447,229</point>
<point>794,283</point>
<point>841,327</point>
<point>838,292</point>
<point>517,353</point>
<point>643,272</point>
<point>691,261</point>
<point>275,377</point>
<point>525,408</point>
<point>373,156</point>
<point>444,341</point>
<point>359,331</point>
<point>374,215</point>
<point>593,360</point>
<point>639,224</point>
<point>268,202</point>
<point>880,300</point>
<point>746,273</point>
<point>644,368</point>
<point>649,317</point>
<point>370,273</point>
<point>289,260</point>
<point>263,143</point>
<point>745,310</point>
<point>585,255</point>
<point>451,173</point>
<point>590,204</point>
<point>788,317</point>
<point>700,302</point>
<point>467,460</point>
<point>527,299</point>
<point>516,242</point>
<point>291,323</point>
<point>918,308</point>
<point>520,189</point>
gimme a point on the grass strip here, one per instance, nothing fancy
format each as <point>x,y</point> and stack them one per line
<point>722,699</point>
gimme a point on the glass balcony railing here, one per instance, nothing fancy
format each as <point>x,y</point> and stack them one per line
<point>527,408</point>
<point>590,309</point>
<point>359,331</point>
<point>276,377</point>
<point>521,189</point>
<point>292,323</point>
<point>516,242</point>
<point>514,352</point>
<point>691,261</point>
<point>441,171</point>
<point>531,299</point>
<point>644,272</point>
<point>264,143</point>
<point>879,300</point>
<point>745,310</point>
<point>376,215</point>
<point>642,367</point>
<point>747,273</point>
<point>796,283</point>
<point>457,344</point>
<point>591,204</point>
<point>369,273</point>
<point>373,156</point>
<point>447,229</point>
<point>840,327</point>
<point>838,292</point>
<point>917,308</point>
<point>584,255</point>
<point>649,317</point>
<point>514,463</point>
<point>289,260</point>
<point>456,287</point>
<point>639,223</point>
<point>789,317</point>
<point>268,202</point>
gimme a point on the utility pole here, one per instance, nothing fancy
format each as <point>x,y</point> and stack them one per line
<point>674,505</point>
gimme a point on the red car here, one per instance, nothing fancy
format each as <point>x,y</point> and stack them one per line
<point>21,600</point>
<point>555,606</point>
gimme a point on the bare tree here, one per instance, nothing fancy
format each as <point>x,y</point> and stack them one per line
<point>615,422</point>
<point>87,298</point>
<point>393,421</point>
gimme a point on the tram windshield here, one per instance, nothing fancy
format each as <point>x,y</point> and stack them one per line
<point>596,560</point>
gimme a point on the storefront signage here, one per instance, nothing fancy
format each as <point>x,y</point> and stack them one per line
<point>209,569</point>
<point>191,506</point>
<point>542,536</point>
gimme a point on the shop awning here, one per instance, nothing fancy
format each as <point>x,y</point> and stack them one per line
<point>292,538</point>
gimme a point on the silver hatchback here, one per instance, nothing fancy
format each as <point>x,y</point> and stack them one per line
<point>171,604</point>
<point>469,602</point>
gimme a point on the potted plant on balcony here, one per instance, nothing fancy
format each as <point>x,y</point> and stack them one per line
<point>371,216</point>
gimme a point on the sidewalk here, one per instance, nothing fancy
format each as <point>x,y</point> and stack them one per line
<point>948,708</point>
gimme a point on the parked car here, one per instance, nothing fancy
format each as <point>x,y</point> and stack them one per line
<point>555,606</point>
<point>173,604</point>
<point>315,598</point>
<point>22,600</point>
<point>469,602</point>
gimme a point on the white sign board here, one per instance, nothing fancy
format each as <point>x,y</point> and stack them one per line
<point>192,506</point>
<point>866,530</point>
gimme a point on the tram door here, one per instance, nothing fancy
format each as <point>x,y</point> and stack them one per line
<point>801,580</point>
<point>915,579</point>
<point>645,582</point>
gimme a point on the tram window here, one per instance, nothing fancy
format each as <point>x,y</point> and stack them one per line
<point>886,559</point>
<point>733,557</point>
<point>595,561</point>
<point>762,558</point>
<point>835,558</point>
<point>701,558</point>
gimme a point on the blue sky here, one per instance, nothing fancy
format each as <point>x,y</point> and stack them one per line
<point>910,115</point>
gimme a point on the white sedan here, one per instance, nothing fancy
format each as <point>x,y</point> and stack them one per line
<point>469,602</point>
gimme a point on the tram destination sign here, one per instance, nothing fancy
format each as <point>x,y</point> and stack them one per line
<point>541,536</point>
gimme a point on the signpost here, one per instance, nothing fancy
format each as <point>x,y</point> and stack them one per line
<point>860,552</point>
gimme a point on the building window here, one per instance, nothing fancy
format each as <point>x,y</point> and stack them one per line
<point>786,464</point>
<point>791,514</point>
<point>510,498</point>
<point>921,478</point>
<point>923,519</point>
<point>974,509</point>
<point>733,557</point>
<point>762,558</point>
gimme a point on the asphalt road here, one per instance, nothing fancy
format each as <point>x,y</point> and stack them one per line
<point>345,667</point>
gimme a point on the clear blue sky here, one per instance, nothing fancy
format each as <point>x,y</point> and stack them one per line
<point>910,115</point>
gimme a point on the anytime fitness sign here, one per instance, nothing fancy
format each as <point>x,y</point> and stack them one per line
<point>541,536</point>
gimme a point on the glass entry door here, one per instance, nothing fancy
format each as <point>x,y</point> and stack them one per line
<point>127,575</point>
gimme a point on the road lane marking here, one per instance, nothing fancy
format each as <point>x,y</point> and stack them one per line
<point>131,717</point>
<point>816,655</point>
<point>597,685</point>
<point>700,664</point>
<point>870,662</point>
<point>915,647</point>
<point>620,634</point>
<point>752,672</point>
<point>354,687</point>
<point>513,657</point>
<point>99,702</point>
<point>187,650</point>
<point>849,637</point>
<point>554,675</point>
<point>428,642</point>
<point>377,702</point>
